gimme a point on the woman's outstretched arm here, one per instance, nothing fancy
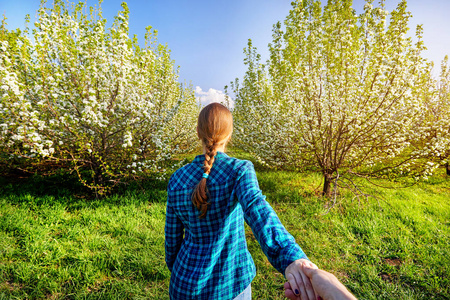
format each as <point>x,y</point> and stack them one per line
<point>276,242</point>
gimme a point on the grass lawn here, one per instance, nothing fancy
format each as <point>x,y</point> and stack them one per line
<point>55,244</point>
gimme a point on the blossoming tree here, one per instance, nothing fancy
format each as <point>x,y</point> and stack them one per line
<point>91,98</point>
<point>437,140</point>
<point>341,93</point>
<point>443,112</point>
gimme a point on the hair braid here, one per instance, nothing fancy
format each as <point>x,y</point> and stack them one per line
<point>215,125</point>
<point>209,157</point>
<point>200,195</point>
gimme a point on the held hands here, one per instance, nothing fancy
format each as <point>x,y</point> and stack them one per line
<point>299,283</point>
<point>325,285</point>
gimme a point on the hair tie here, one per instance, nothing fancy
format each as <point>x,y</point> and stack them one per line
<point>205,175</point>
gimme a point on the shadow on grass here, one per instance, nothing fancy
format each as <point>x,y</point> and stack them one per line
<point>66,189</point>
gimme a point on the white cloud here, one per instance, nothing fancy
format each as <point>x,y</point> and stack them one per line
<point>210,96</point>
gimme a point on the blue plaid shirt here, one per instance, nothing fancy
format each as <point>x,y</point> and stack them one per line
<point>208,257</point>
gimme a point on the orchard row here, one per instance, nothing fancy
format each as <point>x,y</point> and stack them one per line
<point>343,94</point>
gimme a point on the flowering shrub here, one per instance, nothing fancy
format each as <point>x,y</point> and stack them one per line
<point>343,94</point>
<point>90,98</point>
<point>436,143</point>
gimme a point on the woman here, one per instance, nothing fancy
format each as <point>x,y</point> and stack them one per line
<point>208,200</point>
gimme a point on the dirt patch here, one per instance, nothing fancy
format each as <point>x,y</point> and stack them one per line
<point>54,296</point>
<point>385,277</point>
<point>342,275</point>
<point>396,262</point>
<point>389,277</point>
<point>10,286</point>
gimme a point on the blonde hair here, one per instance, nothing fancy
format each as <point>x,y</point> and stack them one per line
<point>214,127</point>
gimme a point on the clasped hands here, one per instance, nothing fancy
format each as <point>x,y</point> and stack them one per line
<point>298,285</point>
<point>307,282</point>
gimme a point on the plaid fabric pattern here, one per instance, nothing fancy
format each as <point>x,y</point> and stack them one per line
<point>208,257</point>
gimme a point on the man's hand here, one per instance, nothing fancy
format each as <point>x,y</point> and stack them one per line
<point>325,285</point>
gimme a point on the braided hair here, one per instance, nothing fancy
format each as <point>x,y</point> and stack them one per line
<point>214,128</point>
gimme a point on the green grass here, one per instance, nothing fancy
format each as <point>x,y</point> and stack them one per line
<point>55,244</point>
<point>64,247</point>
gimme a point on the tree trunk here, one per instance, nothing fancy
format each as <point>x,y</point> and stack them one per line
<point>98,178</point>
<point>447,167</point>
<point>327,185</point>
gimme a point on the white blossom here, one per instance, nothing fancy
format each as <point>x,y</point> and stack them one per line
<point>93,95</point>
<point>340,98</point>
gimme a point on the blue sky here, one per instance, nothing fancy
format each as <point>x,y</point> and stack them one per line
<point>207,37</point>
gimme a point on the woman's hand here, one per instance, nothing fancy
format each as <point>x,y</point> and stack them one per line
<point>325,285</point>
<point>301,287</point>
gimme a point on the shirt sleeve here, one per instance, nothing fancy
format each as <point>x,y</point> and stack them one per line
<point>174,231</point>
<point>276,242</point>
